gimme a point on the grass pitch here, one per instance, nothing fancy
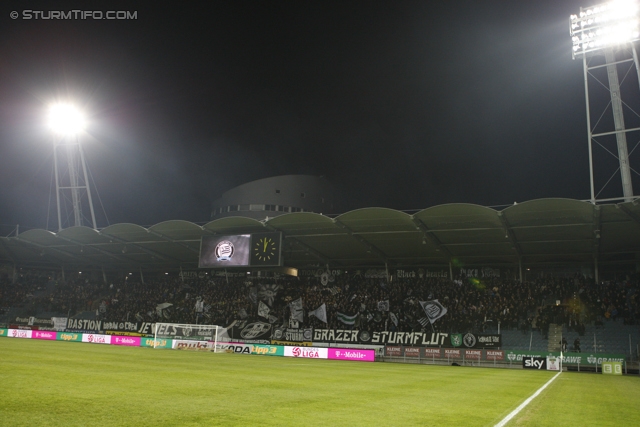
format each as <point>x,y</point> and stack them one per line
<point>49,383</point>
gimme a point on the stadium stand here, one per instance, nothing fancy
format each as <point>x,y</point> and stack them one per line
<point>604,317</point>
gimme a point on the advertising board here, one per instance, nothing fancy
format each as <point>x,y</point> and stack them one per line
<point>96,338</point>
<point>19,333</point>
<point>412,352</point>
<point>268,350</point>
<point>352,354</point>
<point>44,335</point>
<point>612,368</point>
<point>123,340</point>
<point>233,347</point>
<point>69,336</point>
<point>534,362</point>
<point>306,352</point>
<point>158,343</point>
<point>434,353</point>
<point>192,345</point>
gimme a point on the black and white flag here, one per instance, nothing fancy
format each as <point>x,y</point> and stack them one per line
<point>433,309</point>
<point>320,313</point>
<point>263,310</point>
<point>268,293</point>
<point>383,305</point>
<point>393,317</point>
<point>297,312</point>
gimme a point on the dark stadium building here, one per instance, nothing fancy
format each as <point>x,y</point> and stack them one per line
<point>271,197</point>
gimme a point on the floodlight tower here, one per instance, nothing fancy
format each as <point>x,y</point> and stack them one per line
<point>72,183</point>
<point>603,37</point>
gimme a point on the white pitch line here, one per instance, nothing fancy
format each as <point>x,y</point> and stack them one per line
<point>525,403</point>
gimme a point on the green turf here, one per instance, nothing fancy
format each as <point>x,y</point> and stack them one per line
<point>72,384</point>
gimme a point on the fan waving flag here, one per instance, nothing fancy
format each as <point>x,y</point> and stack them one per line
<point>320,313</point>
<point>297,312</point>
<point>263,310</point>
<point>346,319</point>
<point>433,309</point>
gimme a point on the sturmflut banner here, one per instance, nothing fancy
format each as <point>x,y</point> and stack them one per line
<point>349,336</point>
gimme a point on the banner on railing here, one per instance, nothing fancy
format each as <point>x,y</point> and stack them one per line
<point>3,332</point>
<point>470,340</point>
<point>84,325</point>
<point>292,343</point>
<point>348,336</point>
<point>59,323</point>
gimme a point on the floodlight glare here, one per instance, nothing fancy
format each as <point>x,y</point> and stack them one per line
<point>606,25</point>
<point>66,119</point>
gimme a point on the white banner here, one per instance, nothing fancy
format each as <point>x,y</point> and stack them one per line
<point>19,333</point>
<point>192,345</point>
<point>307,352</point>
<point>96,338</point>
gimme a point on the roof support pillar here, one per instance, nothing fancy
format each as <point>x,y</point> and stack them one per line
<point>450,271</point>
<point>520,267</point>
<point>596,276</point>
<point>14,278</point>
<point>104,276</point>
<point>64,279</point>
<point>141,276</point>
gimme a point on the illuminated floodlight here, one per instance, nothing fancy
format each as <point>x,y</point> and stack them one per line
<point>606,25</point>
<point>66,119</point>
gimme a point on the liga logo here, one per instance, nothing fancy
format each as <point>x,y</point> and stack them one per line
<point>296,352</point>
<point>224,250</point>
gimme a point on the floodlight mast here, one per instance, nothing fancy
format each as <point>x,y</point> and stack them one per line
<point>606,29</point>
<point>68,123</point>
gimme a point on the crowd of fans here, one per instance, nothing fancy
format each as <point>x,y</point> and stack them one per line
<point>472,304</point>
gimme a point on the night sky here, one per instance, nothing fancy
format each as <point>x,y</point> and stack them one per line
<point>400,104</point>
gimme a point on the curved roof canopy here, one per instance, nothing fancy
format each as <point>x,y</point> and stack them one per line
<point>538,231</point>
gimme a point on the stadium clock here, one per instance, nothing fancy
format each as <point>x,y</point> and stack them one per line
<point>265,249</point>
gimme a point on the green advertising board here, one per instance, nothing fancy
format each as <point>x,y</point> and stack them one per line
<point>612,368</point>
<point>268,350</point>
<point>158,343</point>
<point>4,332</point>
<point>592,359</point>
<point>582,359</point>
<point>69,336</point>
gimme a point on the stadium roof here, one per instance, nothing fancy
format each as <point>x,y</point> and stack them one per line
<point>538,231</point>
